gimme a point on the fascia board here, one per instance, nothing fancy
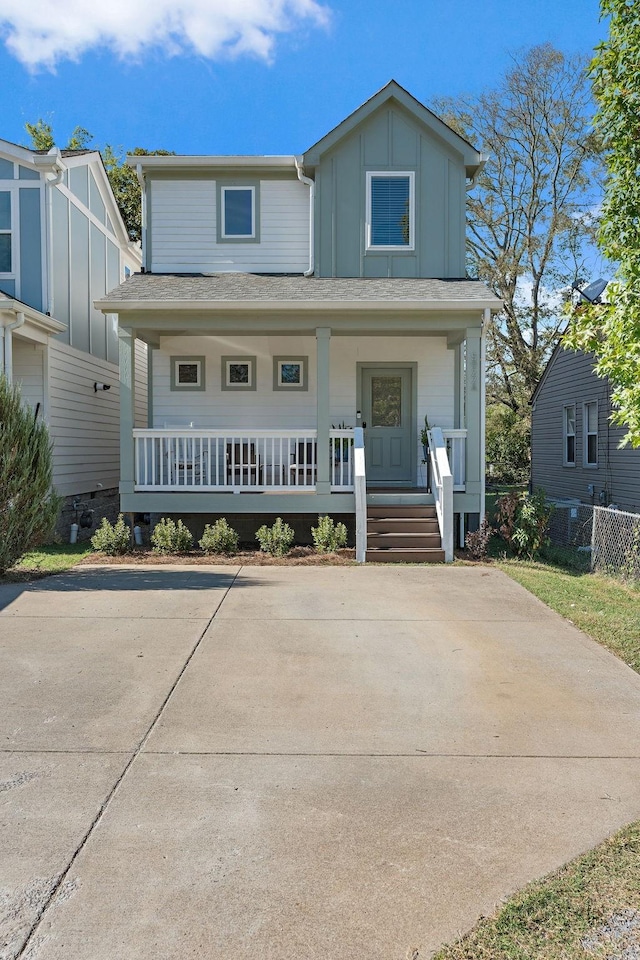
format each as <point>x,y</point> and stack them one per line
<point>40,320</point>
<point>318,306</point>
<point>287,162</point>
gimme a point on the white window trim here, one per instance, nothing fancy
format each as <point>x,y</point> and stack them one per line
<point>412,209</point>
<point>585,435</point>
<point>223,213</point>
<point>13,274</point>
<point>565,434</point>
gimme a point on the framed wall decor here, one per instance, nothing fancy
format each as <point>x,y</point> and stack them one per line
<point>187,373</point>
<point>238,373</point>
<point>290,373</point>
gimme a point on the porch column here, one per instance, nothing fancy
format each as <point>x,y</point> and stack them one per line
<point>474,411</point>
<point>323,414</point>
<point>127,345</point>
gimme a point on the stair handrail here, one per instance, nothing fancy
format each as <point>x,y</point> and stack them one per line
<point>360,491</point>
<point>442,486</point>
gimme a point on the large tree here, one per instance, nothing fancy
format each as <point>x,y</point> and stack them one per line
<point>531,212</point>
<point>612,330</point>
<point>122,178</point>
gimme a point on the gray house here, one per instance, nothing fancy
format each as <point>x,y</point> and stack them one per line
<point>304,315</point>
<point>575,449</point>
<point>62,245</point>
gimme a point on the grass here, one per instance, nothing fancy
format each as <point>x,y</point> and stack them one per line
<point>48,559</point>
<point>550,919</point>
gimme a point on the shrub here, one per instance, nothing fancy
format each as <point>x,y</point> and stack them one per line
<point>523,520</point>
<point>277,539</point>
<point>112,539</point>
<point>219,537</point>
<point>508,446</point>
<point>329,536</point>
<point>28,504</point>
<point>171,537</point>
<point>477,541</point>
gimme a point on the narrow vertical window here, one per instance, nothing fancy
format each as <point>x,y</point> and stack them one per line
<point>590,422</point>
<point>6,265</point>
<point>390,211</point>
<point>570,435</point>
<point>238,213</point>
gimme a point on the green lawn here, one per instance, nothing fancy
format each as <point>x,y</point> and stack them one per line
<point>50,559</point>
<point>550,919</point>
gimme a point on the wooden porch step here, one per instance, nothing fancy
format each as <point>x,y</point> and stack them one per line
<point>405,555</point>
<point>402,525</point>
<point>402,511</point>
<point>402,541</point>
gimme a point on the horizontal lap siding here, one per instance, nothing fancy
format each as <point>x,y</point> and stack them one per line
<point>183,229</point>
<point>264,408</point>
<point>85,425</point>
<point>28,371</point>
<point>570,380</point>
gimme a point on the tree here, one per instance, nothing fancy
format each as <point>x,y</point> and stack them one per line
<point>122,178</point>
<point>612,330</point>
<point>28,503</point>
<point>530,214</point>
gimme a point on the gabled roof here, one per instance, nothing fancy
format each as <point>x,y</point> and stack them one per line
<point>394,92</point>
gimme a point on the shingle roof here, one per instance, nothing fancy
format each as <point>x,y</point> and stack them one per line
<point>256,287</point>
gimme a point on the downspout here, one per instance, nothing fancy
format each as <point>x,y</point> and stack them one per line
<point>8,345</point>
<point>312,211</point>
<point>474,179</point>
<point>51,184</point>
<point>143,215</point>
<point>483,408</point>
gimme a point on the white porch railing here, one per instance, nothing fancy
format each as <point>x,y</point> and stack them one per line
<point>456,444</point>
<point>193,460</point>
<point>442,487</point>
<point>360,489</point>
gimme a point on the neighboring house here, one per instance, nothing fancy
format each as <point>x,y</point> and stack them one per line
<point>62,245</point>
<point>288,300</point>
<point>575,449</point>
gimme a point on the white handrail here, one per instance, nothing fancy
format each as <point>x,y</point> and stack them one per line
<point>360,490</point>
<point>442,490</point>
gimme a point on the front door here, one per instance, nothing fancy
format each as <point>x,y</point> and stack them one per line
<point>386,410</point>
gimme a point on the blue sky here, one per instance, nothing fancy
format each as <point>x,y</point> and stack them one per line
<point>255,76</point>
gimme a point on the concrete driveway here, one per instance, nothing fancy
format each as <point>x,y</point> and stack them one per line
<point>293,763</point>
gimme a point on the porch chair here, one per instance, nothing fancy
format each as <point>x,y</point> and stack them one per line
<point>244,468</point>
<point>302,469</point>
<point>182,455</point>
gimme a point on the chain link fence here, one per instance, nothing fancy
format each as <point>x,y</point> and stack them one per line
<point>602,539</point>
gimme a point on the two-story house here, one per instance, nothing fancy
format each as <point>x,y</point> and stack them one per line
<point>304,315</point>
<point>62,245</point>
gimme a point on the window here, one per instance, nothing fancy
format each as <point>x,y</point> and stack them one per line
<point>238,373</point>
<point>187,373</point>
<point>390,211</point>
<point>5,232</point>
<point>569,432</point>
<point>238,220</point>
<point>590,427</point>
<point>290,373</point>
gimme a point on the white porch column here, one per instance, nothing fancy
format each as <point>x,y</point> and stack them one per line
<point>323,415</point>
<point>474,412</point>
<point>127,344</point>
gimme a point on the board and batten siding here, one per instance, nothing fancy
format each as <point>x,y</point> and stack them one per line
<point>264,408</point>
<point>85,425</point>
<point>183,233</point>
<point>570,379</point>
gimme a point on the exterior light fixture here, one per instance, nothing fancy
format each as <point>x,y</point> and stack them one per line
<point>101,386</point>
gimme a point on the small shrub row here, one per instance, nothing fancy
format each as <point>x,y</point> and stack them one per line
<point>170,536</point>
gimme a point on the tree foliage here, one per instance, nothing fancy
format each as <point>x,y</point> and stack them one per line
<point>122,177</point>
<point>612,330</point>
<point>531,211</point>
<point>28,503</point>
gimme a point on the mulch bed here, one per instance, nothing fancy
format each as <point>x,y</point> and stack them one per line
<point>297,557</point>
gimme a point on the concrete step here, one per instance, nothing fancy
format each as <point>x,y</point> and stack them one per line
<point>402,541</point>
<point>402,511</point>
<point>417,555</point>
<point>402,525</point>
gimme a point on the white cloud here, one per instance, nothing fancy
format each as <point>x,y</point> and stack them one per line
<point>43,32</point>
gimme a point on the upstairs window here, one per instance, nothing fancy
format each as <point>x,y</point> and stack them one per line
<point>238,220</point>
<point>590,423</point>
<point>5,232</point>
<point>390,211</point>
<point>569,435</point>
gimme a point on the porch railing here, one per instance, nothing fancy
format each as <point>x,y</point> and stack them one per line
<point>456,444</point>
<point>442,486</point>
<point>194,460</point>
